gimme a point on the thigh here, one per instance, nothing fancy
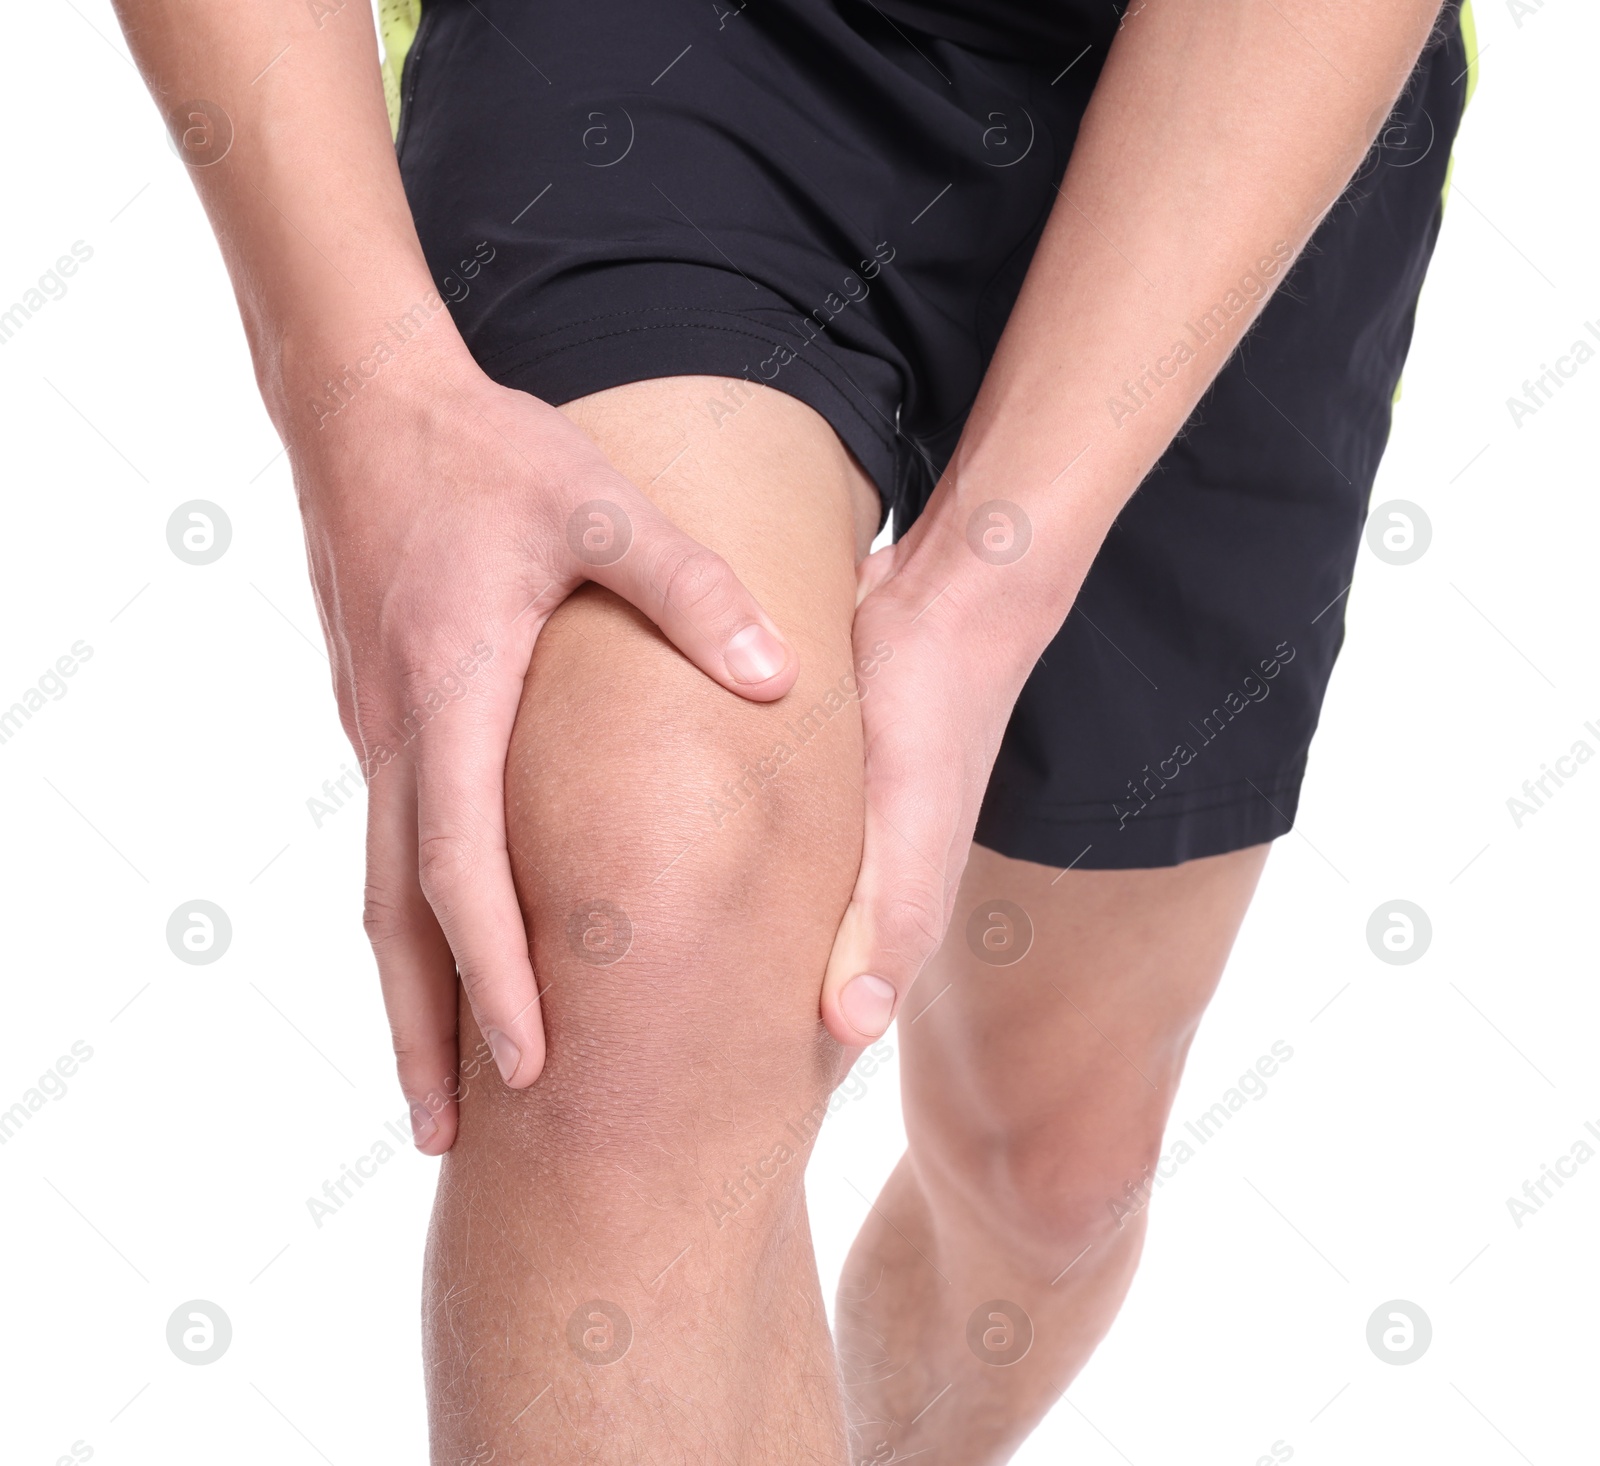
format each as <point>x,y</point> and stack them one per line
<point>1042,1047</point>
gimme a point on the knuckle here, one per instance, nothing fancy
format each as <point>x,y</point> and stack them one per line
<point>430,640</point>
<point>409,1050</point>
<point>492,991</point>
<point>699,583</point>
<point>383,918</point>
<point>911,926</point>
<point>422,674</point>
<point>444,864</point>
<point>419,1056</point>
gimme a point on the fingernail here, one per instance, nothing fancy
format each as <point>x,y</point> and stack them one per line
<point>867,1003</point>
<point>506,1054</point>
<point>422,1124</point>
<point>754,655</point>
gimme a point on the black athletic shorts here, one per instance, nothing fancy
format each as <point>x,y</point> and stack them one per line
<point>840,200</point>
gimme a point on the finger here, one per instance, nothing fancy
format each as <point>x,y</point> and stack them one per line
<point>414,962</point>
<point>896,916</point>
<point>874,570</point>
<point>629,546</point>
<point>464,867</point>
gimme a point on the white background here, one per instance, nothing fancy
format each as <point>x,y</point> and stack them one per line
<point>178,765</point>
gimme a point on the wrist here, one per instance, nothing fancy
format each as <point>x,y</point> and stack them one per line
<point>999,566</point>
<point>964,580</point>
<point>315,373</point>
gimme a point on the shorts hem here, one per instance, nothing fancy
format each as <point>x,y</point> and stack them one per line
<point>1144,840</point>
<point>640,345</point>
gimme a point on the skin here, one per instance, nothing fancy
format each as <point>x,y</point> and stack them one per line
<point>439,507</point>
<point>1033,1094</point>
<point>1035,1099</point>
<point>435,511</point>
<point>622,1175</point>
<point>436,508</point>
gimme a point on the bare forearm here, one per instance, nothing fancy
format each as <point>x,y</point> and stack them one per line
<point>1220,133</point>
<point>306,200</point>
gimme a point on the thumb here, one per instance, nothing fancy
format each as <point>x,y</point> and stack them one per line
<point>690,592</point>
<point>874,570</point>
<point>892,926</point>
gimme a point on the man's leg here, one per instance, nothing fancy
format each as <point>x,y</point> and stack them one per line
<point>1035,1099</point>
<point>620,1266</point>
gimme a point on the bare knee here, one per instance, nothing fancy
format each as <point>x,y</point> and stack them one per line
<point>683,858</point>
<point>1048,1187</point>
<point>1037,1096</point>
<point>1069,1192</point>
